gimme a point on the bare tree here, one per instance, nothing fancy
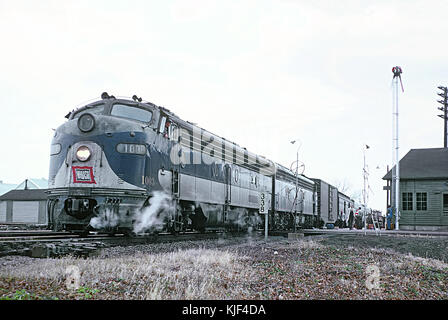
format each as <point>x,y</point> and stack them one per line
<point>346,188</point>
<point>343,186</point>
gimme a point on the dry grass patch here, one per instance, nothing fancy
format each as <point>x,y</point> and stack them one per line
<point>187,274</point>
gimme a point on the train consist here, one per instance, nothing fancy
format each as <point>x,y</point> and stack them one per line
<point>127,165</point>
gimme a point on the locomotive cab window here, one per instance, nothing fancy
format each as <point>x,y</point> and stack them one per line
<point>129,112</point>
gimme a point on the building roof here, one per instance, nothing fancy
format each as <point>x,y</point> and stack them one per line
<point>33,184</point>
<point>41,183</point>
<point>25,195</point>
<point>431,163</point>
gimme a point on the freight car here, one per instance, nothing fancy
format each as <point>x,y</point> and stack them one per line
<point>345,204</point>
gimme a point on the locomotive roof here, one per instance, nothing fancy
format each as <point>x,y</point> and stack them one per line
<point>184,123</point>
<point>282,170</point>
<point>130,101</point>
<point>124,100</point>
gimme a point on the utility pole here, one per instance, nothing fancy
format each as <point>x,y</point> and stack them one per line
<point>388,190</point>
<point>444,102</point>
<point>297,183</point>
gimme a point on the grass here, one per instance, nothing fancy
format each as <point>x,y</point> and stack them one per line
<point>188,274</point>
<point>280,269</point>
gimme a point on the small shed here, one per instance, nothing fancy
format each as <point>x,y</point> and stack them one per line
<point>25,204</point>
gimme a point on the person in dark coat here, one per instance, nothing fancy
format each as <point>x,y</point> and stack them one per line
<point>350,219</point>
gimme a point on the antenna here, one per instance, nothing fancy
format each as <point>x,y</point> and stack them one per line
<point>397,71</point>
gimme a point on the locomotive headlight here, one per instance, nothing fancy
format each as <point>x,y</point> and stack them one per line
<point>86,122</point>
<point>83,153</point>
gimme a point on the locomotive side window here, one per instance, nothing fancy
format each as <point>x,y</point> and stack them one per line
<point>162,125</point>
<point>173,132</point>
<point>129,112</point>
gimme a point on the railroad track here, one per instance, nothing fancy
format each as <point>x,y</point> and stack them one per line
<point>43,244</point>
<point>24,234</point>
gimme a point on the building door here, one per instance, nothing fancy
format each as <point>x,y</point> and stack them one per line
<point>2,211</point>
<point>25,211</point>
<point>445,205</point>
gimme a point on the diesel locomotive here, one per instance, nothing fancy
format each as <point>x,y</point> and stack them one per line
<point>124,165</point>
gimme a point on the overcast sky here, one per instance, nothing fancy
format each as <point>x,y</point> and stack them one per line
<point>259,73</point>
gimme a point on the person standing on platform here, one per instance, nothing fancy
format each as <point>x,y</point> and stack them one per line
<point>350,219</point>
<point>389,218</point>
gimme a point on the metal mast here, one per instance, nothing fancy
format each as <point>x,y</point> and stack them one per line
<point>397,74</point>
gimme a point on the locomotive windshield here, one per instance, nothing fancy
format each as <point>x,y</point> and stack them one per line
<point>129,112</point>
<point>95,109</point>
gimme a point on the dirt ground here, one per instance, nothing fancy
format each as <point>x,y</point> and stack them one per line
<point>422,246</point>
<point>316,267</point>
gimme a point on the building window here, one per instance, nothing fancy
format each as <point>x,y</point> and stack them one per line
<point>445,203</point>
<point>422,201</point>
<point>407,200</point>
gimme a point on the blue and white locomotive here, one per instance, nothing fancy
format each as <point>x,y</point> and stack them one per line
<point>115,159</point>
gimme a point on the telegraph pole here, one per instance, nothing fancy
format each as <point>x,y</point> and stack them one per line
<point>444,102</point>
<point>297,189</point>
